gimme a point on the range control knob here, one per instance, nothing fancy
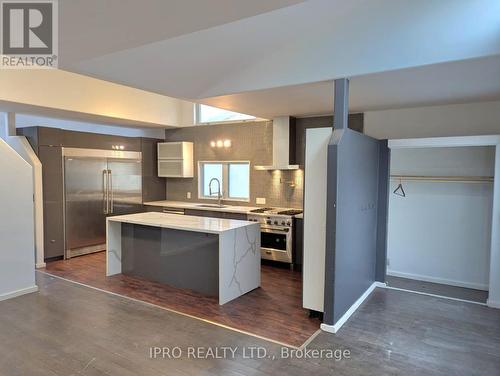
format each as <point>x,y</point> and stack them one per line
<point>283,223</point>
<point>275,222</point>
<point>288,223</point>
<point>268,222</point>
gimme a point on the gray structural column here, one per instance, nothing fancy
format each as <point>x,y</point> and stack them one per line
<point>340,123</point>
<point>356,212</point>
<point>341,103</point>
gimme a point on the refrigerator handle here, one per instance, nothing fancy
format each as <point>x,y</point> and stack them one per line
<point>110,189</point>
<point>104,192</point>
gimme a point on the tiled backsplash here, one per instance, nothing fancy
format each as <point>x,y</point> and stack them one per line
<point>249,142</point>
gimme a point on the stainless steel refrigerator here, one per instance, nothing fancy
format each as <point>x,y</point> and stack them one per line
<point>97,184</point>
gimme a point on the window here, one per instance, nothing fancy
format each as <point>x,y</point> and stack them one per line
<point>234,178</point>
<point>209,114</point>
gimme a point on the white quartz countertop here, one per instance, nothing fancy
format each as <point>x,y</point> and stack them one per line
<point>197,206</point>
<point>182,222</point>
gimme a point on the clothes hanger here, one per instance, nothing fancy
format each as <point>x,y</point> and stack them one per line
<point>400,190</point>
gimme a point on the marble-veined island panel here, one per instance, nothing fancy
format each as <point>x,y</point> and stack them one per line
<point>213,256</point>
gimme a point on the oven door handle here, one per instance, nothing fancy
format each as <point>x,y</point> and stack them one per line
<point>274,230</point>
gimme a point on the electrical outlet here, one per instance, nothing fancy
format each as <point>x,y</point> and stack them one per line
<point>188,195</point>
<point>260,201</point>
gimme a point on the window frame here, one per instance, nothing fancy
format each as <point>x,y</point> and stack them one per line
<point>225,180</point>
<point>197,117</point>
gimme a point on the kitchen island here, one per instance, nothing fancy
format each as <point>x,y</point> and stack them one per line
<point>212,256</point>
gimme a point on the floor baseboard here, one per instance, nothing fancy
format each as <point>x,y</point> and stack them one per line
<point>13,294</point>
<point>336,327</point>
<point>435,295</point>
<point>493,304</point>
<point>443,281</point>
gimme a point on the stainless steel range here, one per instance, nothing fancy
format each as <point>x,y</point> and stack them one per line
<point>276,227</point>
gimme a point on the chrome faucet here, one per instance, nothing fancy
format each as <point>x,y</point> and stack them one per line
<point>219,194</point>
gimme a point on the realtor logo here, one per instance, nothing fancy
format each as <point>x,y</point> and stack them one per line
<point>29,34</point>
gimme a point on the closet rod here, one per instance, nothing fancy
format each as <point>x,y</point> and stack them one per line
<point>445,179</point>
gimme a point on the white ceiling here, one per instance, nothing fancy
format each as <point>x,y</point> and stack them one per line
<point>270,58</point>
<point>456,82</point>
<point>91,28</point>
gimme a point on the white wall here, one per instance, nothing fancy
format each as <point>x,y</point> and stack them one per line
<point>17,249</point>
<point>441,232</point>
<point>57,93</point>
<point>482,118</point>
<point>21,145</point>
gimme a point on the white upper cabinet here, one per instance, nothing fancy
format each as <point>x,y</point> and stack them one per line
<point>175,159</point>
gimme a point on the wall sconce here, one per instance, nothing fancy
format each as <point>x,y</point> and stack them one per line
<point>221,143</point>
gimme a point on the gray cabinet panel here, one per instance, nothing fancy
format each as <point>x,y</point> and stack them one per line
<point>240,216</point>
<point>215,214</point>
<point>183,259</point>
<point>52,176</point>
<point>153,187</point>
<point>87,140</point>
<point>53,229</point>
<point>298,246</point>
<point>50,136</point>
<point>157,209</point>
<point>31,133</point>
<point>204,213</point>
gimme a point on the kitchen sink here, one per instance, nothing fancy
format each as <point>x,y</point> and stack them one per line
<point>211,206</point>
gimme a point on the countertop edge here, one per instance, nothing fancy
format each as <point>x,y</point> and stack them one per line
<point>179,227</point>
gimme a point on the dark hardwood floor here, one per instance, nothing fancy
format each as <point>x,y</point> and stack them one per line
<point>273,311</point>
<point>67,329</point>
<point>473,295</point>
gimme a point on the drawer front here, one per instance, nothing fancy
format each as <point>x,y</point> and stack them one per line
<point>204,213</point>
<point>157,209</point>
<point>239,216</point>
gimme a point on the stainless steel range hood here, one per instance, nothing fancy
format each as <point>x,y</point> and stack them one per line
<point>283,145</point>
